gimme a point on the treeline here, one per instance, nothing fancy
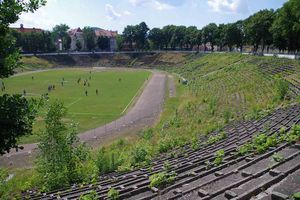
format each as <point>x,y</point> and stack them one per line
<point>43,41</point>
<point>48,41</point>
<point>263,30</point>
<point>278,29</point>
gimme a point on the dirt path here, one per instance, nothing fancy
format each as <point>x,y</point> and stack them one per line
<point>143,113</point>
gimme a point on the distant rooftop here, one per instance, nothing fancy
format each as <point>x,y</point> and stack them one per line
<point>22,29</point>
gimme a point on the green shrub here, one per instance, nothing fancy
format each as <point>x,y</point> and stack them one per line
<point>213,105</point>
<point>195,142</point>
<point>108,160</point>
<point>245,149</point>
<point>165,144</point>
<point>140,154</point>
<point>161,179</point>
<point>277,157</point>
<point>282,87</point>
<point>296,196</point>
<point>62,159</point>
<point>89,196</point>
<point>147,134</point>
<point>217,138</point>
<point>227,116</point>
<point>113,194</point>
<point>219,157</point>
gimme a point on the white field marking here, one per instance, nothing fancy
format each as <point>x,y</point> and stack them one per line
<point>74,102</point>
<point>136,95</point>
<point>78,113</point>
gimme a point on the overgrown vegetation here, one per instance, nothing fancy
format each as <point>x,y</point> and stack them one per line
<point>163,178</point>
<point>89,196</point>
<point>62,159</point>
<point>113,194</point>
<point>241,91</point>
<point>219,156</point>
<point>262,142</point>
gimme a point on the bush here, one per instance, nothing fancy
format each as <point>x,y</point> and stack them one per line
<point>296,196</point>
<point>245,149</point>
<point>282,87</point>
<point>89,196</point>
<point>113,194</point>
<point>62,159</point>
<point>219,157</point>
<point>108,161</point>
<point>161,179</point>
<point>277,157</point>
<point>165,144</point>
<point>227,116</point>
<point>147,134</point>
<point>140,154</point>
<point>217,138</point>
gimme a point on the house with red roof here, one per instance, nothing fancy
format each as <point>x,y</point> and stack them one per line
<point>77,36</point>
<point>22,29</point>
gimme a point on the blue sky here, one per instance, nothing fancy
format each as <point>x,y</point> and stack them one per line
<point>116,14</point>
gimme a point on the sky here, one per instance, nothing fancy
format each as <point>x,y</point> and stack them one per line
<point>116,14</point>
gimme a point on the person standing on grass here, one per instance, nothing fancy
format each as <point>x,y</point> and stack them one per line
<point>97,92</point>
<point>24,92</point>
<point>86,92</point>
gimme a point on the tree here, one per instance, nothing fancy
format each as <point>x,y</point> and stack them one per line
<point>190,38</point>
<point>209,34</point>
<point>78,45</point>
<point>89,38</point>
<point>128,35</point>
<point>286,26</point>
<point>258,27</point>
<point>177,39</point>
<point>140,35</point>
<point>222,33</point>
<point>67,42</point>
<point>168,32</point>
<point>14,109</point>
<point>103,43</point>
<point>16,117</point>
<point>120,42</point>
<point>199,39</point>
<point>62,160</point>
<point>156,37</point>
<point>61,32</point>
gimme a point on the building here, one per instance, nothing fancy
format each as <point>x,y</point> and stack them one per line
<point>77,36</point>
<point>110,34</point>
<point>22,29</point>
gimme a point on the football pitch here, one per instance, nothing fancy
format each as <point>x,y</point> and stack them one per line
<point>92,97</point>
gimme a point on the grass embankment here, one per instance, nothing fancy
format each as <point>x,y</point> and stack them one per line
<point>222,88</point>
<point>115,91</point>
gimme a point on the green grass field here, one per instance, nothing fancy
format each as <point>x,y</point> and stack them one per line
<point>116,89</point>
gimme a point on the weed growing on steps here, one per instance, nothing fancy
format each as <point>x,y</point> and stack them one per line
<point>89,196</point>
<point>219,156</point>
<point>113,194</point>
<point>261,143</point>
<point>163,178</point>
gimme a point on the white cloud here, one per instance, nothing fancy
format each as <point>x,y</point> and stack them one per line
<point>111,13</point>
<point>229,6</point>
<point>126,12</point>
<point>155,4</point>
<point>41,18</point>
